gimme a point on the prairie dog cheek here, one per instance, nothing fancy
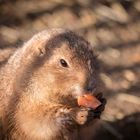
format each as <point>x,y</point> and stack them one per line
<point>50,78</point>
<point>40,86</point>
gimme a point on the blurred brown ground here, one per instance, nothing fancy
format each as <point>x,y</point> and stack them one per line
<point>112,27</point>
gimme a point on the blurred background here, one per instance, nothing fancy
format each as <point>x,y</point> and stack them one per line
<point>111,26</point>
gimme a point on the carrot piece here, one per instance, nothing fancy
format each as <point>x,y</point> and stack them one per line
<point>88,100</point>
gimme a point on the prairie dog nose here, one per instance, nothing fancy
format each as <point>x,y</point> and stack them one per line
<point>91,85</point>
<point>78,90</point>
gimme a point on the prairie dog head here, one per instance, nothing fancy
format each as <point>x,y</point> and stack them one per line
<point>64,68</point>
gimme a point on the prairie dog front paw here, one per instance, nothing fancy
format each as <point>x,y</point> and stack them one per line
<point>72,116</point>
<point>81,115</point>
<point>63,116</point>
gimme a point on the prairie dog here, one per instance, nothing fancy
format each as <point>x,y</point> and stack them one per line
<point>40,83</point>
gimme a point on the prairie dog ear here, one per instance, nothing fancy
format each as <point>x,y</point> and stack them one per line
<point>38,43</point>
<point>35,47</point>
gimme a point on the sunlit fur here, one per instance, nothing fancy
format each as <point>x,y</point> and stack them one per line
<point>35,90</point>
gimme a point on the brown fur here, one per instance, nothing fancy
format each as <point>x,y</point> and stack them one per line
<point>38,95</point>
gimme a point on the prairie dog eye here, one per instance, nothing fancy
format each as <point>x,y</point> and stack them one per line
<point>63,63</point>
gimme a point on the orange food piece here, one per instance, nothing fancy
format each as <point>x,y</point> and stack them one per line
<point>88,100</point>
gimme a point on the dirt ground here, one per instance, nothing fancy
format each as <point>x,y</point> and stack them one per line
<point>111,26</point>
